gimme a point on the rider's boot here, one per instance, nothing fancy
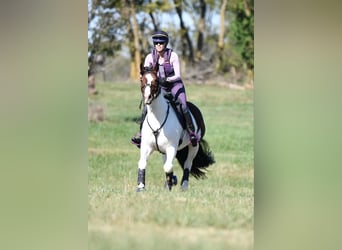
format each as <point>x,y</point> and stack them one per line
<point>136,140</point>
<point>190,126</point>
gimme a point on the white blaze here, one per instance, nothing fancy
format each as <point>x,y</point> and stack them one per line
<point>147,92</point>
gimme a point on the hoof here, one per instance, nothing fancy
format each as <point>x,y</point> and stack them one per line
<point>185,186</point>
<point>167,187</point>
<point>174,180</point>
<point>141,189</point>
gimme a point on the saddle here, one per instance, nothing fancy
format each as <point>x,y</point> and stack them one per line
<point>193,110</point>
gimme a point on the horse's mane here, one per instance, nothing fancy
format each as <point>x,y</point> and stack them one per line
<point>150,69</point>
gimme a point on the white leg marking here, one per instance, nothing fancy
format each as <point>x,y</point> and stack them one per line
<point>185,186</point>
<point>170,155</point>
<point>145,152</point>
<point>164,158</point>
<point>192,151</point>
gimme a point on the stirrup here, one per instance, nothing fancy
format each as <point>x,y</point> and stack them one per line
<point>193,139</point>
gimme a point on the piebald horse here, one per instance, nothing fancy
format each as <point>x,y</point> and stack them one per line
<point>162,131</point>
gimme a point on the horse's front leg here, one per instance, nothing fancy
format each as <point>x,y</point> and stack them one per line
<point>168,166</point>
<point>145,152</point>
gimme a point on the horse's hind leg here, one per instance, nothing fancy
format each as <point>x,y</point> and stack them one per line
<point>187,167</point>
<point>185,179</point>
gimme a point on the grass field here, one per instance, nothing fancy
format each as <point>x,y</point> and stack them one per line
<point>216,213</point>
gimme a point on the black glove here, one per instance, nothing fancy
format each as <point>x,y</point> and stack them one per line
<point>162,82</point>
<point>168,96</point>
<point>147,69</point>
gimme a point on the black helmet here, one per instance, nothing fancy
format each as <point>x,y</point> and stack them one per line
<point>161,37</point>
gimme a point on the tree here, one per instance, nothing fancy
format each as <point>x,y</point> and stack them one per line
<point>201,8</point>
<point>135,64</point>
<point>103,25</point>
<point>115,25</point>
<point>186,41</point>
<point>242,31</point>
<point>220,42</point>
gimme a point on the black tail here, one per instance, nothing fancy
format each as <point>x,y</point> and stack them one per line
<point>203,159</point>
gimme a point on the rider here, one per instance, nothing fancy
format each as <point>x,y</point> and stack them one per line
<point>169,78</point>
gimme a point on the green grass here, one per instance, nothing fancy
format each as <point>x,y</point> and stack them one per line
<point>216,213</point>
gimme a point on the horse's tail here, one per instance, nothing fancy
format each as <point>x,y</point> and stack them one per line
<point>203,159</point>
<point>198,118</point>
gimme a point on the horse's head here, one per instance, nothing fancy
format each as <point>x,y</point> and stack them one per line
<point>149,84</point>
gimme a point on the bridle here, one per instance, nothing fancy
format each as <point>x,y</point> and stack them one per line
<point>155,88</point>
<point>155,92</point>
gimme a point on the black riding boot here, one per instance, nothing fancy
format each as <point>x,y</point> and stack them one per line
<point>191,129</point>
<point>136,140</point>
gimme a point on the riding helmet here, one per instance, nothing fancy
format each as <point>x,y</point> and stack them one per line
<point>161,37</point>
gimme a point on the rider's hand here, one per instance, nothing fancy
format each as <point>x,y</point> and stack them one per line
<point>162,81</point>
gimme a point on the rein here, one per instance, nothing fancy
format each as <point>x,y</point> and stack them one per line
<point>157,131</point>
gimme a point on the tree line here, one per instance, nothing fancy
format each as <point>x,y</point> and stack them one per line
<point>126,25</point>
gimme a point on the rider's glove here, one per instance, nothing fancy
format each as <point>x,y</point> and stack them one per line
<point>162,82</point>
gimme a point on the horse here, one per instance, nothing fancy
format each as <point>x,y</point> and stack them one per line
<point>163,131</point>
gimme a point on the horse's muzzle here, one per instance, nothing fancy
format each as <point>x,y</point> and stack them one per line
<point>148,100</point>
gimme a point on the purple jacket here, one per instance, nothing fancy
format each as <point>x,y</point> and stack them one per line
<point>171,65</point>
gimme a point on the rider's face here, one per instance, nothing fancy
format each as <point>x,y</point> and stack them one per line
<point>159,46</point>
